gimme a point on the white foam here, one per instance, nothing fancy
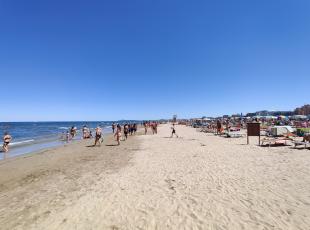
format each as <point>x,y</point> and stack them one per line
<point>21,142</point>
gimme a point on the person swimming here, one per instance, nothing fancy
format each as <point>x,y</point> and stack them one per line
<point>7,138</point>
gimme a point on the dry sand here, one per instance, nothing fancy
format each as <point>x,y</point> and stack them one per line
<point>198,181</point>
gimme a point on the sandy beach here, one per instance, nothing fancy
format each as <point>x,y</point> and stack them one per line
<point>197,181</point>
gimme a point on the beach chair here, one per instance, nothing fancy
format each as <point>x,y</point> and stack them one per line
<point>305,143</point>
<point>234,134</point>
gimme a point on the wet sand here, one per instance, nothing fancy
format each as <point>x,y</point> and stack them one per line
<point>198,181</point>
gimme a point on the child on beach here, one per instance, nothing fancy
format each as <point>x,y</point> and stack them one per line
<point>6,141</point>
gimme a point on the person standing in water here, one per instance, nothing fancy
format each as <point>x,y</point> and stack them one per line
<point>73,131</point>
<point>173,132</point>
<point>68,136</point>
<point>85,132</point>
<point>113,127</point>
<point>6,141</point>
<point>98,135</point>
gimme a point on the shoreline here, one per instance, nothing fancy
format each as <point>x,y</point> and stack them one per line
<point>41,144</point>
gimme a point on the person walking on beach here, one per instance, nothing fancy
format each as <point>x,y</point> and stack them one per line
<point>118,135</point>
<point>173,131</point>
<point>126,130</point>
<point>6,141</point>
<point>145,128</point>
<point>131,129</point>
<point>118,126</point>
<point>134,127</point>
<point>152,124</point>
<point>113,127</point>
<point>219,127</point>
<point>98,137</point>
<point>155,127</point>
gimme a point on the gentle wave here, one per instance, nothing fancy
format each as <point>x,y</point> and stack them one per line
<point>63,128</point>
<point>21,142</point>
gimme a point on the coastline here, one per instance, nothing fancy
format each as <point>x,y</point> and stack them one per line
<point>196,181</point>
<point>44,143</point>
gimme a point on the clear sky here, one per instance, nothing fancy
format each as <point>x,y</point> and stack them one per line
<point>149,59</point>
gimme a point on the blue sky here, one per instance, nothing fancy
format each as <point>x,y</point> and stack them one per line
<point>147,59</point>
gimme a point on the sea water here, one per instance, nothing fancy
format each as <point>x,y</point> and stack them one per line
<point>30,137</point>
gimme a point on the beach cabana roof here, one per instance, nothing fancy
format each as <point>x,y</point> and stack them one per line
<point>301,117</point>
<point>270,117</point>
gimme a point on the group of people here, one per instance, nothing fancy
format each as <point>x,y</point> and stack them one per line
<point>152,124</point>
<point>126,129</point>
<point>118,131</point>
<point>86,134</point>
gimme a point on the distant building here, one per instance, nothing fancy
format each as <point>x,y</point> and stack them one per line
<point>304,110</point>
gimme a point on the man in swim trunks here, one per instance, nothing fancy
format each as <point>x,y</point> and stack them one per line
<point>6,141</point>
<point>98,136</point>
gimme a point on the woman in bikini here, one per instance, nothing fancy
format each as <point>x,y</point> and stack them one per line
<point>6,141</point>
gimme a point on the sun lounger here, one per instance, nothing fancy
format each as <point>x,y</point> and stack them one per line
<point>234,134</point>
<point>301,143</point>
<point>275,141</point>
